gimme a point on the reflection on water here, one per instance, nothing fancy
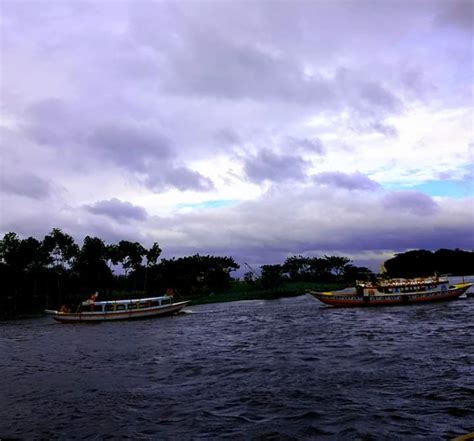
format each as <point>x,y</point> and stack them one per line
<point>282,369</point>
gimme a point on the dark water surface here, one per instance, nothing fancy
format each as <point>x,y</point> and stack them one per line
<point>281,369</point>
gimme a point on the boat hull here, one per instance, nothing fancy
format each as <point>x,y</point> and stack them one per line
<point>354,300</point>
<point>90,317</point>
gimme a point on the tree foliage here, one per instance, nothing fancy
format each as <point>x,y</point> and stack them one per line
<point>36,274</point>
<point>322,269</point>
<point>91,267</point>
<point>40,274</point>
<point>198,274</point>
<point>61,248</point>
<point>272,276</point>
<point>419,263</point>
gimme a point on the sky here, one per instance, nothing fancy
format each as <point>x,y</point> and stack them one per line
<point>257,130</point>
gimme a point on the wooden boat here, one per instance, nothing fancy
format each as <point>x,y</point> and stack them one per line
<point>393,292</point>
<point>93,311</point>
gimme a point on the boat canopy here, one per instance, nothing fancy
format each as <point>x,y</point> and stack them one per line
<point>403,282</point>
<point>125,302</point>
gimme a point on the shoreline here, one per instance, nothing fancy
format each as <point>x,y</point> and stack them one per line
<point>233,295</point>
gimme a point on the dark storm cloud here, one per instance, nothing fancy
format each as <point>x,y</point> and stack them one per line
<point>217,59</point>
<point>278,224</point>
<point>129,147</point>
<point>269,79</point>
<point>248,73</point>
<point>234,70</point>
<point>458,14</point>
<point>396,238</point>
<point>118,210</point>
<point>121,93</point>
<point>26,185</point>
<point>37,219</point>
<point>52,122</point>
<point>410,201</point>
<point>270,166</point>
<point>354,181</point>
<point>367,100</point>
<point>181,178</point>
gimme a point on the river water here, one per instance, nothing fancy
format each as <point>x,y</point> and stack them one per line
<point>264,370</point>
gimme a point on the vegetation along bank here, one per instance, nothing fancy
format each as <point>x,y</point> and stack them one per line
<point>39,274</point>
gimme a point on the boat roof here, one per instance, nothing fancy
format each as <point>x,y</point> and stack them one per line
<point>404,282</point>
<point>126,301</point>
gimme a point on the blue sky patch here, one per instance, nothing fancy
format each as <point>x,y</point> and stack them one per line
<point>450,188</point>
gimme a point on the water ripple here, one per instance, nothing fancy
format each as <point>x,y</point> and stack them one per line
<point>260,370</point>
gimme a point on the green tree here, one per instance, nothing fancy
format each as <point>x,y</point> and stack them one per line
<point>23,262</point>
<point>196,274</point>
<point>337,265</point>
<point>272,276</point>
<point>131,255</point>
<point>416,263</point>
<point>456,262</point>
<point>297,268</point>
<point>34,261</point>
<point>151,255</point>
<point>9,247</point>
<point>354,273</point>
<point>319,269</point>
<point>249,278</point>
<point>62,252</point>
<point>11,269</point>
<point>61,248</point>
<point>112,255</point>
<point>91,265</point>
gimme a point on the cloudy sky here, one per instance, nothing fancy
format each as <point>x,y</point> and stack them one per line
<point>252,129</point>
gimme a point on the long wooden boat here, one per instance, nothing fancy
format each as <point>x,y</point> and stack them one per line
<point>93,311</point>
<point>393,292</point>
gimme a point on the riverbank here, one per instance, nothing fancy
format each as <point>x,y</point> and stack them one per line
<point>246,292</point>
<point>238,291</point>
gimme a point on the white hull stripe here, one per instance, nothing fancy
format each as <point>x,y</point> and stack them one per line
<point>118,315</point>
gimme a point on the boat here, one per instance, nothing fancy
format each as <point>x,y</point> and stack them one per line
<point>94,311</point>
<point>393,292</point>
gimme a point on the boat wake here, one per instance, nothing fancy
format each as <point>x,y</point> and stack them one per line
<point>207,311</point>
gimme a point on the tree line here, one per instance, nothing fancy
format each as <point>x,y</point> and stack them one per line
<point>38,274</point>
<point>326,269</point>
<point>423,263</point>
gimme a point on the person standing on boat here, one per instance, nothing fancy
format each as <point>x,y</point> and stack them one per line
<point>91,300</point>
<point>170,292</point>
<point>64,308</point>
